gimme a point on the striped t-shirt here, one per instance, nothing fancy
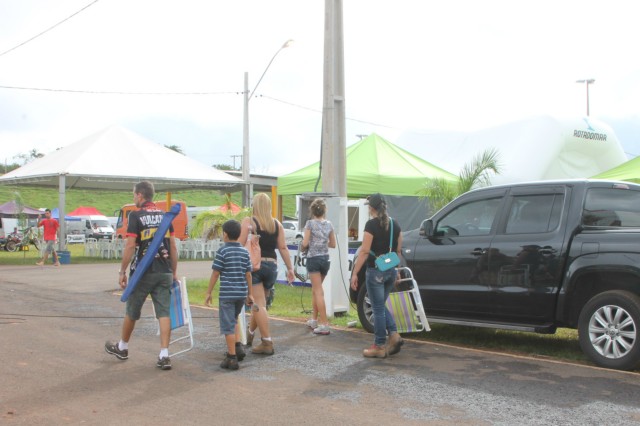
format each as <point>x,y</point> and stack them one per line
<point>232,261</point>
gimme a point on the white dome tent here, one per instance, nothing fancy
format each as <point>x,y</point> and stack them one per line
<point>539,148</point>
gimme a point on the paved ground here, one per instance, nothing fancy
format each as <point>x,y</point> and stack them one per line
<point>54,370</point>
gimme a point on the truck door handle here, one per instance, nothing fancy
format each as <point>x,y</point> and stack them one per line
<point>477,252</point>
<point>547,250</point>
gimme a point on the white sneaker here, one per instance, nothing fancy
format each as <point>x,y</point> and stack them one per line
<point>322,330</point>
<point>312,323</point>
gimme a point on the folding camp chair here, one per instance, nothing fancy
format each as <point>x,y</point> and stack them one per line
<point>180,314</point>
<point>406,306</point>
<point>242,325</point>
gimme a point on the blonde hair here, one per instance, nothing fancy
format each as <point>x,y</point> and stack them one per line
<point>262,213</point>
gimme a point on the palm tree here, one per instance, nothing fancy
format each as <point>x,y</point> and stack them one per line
<point>475,174</point>
<point>208,225</point>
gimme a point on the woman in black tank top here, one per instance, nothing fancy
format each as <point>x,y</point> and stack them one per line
<point>271,238</point>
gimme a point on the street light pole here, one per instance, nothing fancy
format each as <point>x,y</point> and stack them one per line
<point>247,192</point>
<point>587,83</point>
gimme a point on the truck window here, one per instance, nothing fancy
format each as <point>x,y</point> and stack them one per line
<point>534,214</point>
<point>474,218</point>
<point>611,207</point>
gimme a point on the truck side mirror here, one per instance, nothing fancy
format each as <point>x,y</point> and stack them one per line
<point>426,229</point>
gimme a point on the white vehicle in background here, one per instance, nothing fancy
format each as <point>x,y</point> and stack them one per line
<point>96,226</point>
<point>292,234</point>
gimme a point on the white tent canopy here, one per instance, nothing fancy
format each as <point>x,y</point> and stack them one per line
<point>539,148</point>
<point>116,159</point>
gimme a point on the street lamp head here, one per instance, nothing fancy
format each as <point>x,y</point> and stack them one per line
<point>287,43</point>
<point>588,81</point>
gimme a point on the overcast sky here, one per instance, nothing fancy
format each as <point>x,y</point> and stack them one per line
<point>410,66</point>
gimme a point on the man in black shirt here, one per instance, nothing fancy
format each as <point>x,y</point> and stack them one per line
<point>157,279</point>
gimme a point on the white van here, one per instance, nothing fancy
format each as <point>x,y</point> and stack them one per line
<point>97,226</point>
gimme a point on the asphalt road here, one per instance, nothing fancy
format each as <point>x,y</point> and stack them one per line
<point>54,322</point>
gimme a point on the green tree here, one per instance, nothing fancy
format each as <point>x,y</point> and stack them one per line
<point>475,174</point>
<point>9,167</point>
<point>22,217</point>
<point>224,167</point>
<point>175,148</point>
<point>208,225</point>
<point>29,156</point>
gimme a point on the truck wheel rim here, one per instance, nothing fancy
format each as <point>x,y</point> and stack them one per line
<point>368,309</point>
<point>612,331</point>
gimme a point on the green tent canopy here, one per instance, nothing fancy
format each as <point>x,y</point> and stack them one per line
<point>628,171</point>
<point>373,165</point>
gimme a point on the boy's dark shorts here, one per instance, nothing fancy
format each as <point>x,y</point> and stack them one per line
<point>156,284</point>
<point>228,312</point>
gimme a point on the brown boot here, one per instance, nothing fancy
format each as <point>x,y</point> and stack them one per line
<point>375,351</point>
<point>264,348</point>
<point>395,343</point>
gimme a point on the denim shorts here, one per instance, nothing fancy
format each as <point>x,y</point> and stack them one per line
<point>228,312</point>
<point>156,284</point>
<point>318,264</point>
<point>266,275</point>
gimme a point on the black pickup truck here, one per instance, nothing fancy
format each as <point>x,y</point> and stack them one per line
<point>535,257</point>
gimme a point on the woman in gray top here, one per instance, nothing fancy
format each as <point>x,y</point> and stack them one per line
<point>318,238</point>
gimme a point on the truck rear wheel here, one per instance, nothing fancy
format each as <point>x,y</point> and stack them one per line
<point>608,329</point>
<point>365,311</point>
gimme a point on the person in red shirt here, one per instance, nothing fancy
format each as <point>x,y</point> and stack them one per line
<point>50,233</point>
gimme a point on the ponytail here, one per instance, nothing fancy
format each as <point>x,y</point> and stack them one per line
<point>383,217</point>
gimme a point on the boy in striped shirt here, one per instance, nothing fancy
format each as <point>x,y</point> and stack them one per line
<point>233,266</point>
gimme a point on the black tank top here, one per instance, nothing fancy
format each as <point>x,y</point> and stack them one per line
<point>268,242</point>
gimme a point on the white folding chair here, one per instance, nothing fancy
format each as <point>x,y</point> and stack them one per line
<point>104,249</point>
<point>196,248</point>
<point>406,306</point>
<point>115,248</point>
<point>211,247</point>
<point>180,315</point>
<point>90,246</point>
<point>184,251</point>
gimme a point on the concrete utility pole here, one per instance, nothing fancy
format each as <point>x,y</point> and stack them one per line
<point>62,183</point>
<point>234,160</point>
<point>334,158</point>
<point>247,193</point>
<point>334,179</point>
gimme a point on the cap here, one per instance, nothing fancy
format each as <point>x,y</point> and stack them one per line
<point>375,200</point>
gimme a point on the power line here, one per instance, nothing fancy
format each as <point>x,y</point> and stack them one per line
<point>48,29</point>
<point>320,111</point>
<point>119,92</point>
<point>115,92</point>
